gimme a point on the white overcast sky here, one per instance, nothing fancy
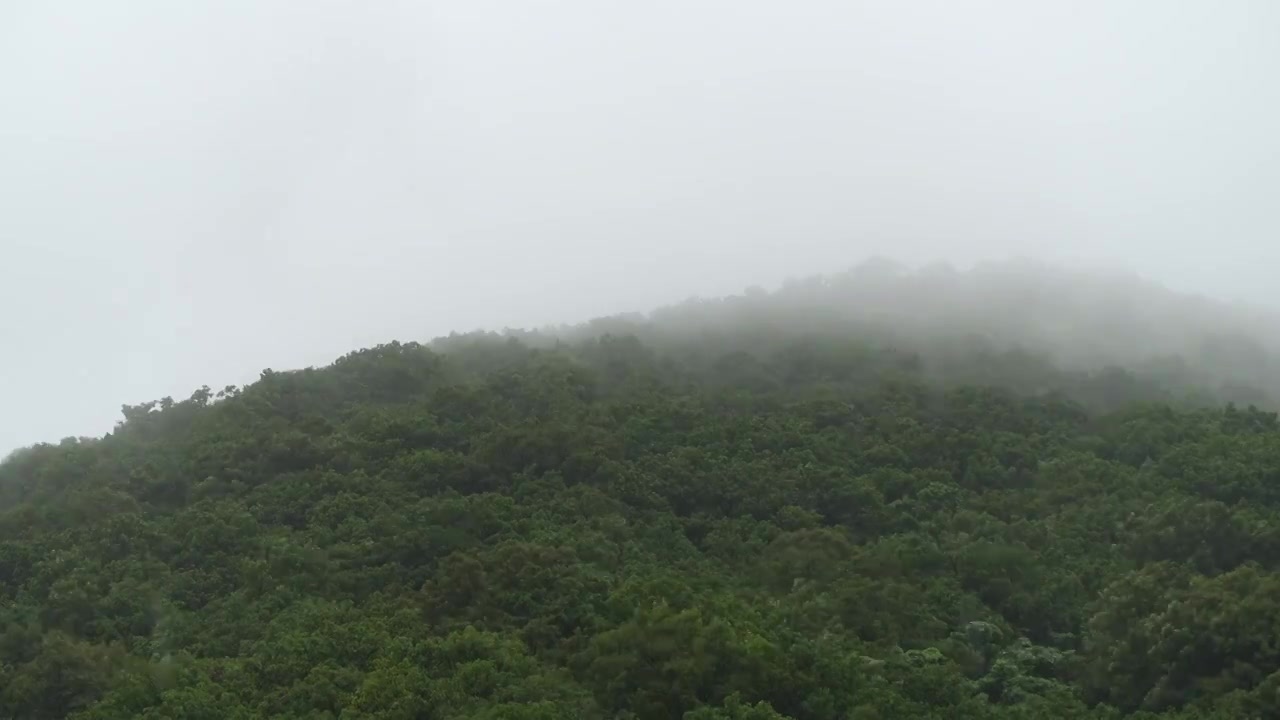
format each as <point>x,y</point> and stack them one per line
<point>193,191</point>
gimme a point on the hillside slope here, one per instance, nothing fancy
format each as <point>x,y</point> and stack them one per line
<point>764,507</point>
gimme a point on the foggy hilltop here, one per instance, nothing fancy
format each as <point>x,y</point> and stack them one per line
<point>1014,315</point>
<point>1105,336</point>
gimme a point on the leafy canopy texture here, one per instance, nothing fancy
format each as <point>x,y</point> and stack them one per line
<point>729,520</point>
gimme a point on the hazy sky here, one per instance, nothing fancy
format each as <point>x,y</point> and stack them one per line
<point>193,191</point>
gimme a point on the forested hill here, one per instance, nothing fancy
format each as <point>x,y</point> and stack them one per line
<point>759,508</point>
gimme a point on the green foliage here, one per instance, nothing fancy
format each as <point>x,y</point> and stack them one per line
<point>669,519</point>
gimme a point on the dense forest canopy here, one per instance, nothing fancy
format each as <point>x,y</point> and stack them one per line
<point>1005,493</point>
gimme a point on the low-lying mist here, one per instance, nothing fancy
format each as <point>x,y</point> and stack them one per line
<point>996,323</point>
